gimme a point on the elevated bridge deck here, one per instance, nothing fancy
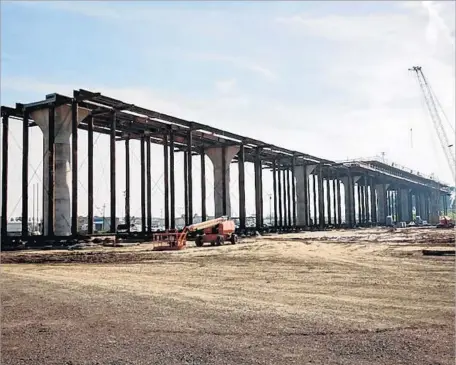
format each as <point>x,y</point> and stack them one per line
<point>307,190</point>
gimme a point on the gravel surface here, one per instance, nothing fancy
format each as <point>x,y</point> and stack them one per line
<point>295,299</point>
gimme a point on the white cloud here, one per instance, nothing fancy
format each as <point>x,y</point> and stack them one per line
<point>368,65</point>
<point>96,9</point>
<point>438,25</point>
<point>226,86</point>
<point>237,61</point>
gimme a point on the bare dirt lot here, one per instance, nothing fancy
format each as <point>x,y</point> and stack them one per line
<point>339,297</point>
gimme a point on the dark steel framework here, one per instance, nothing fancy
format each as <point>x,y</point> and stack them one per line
<point>127,122</point>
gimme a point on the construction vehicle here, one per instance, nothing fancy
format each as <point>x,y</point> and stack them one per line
<point>220,231</point>
<point>215,231</point>
<point>420,222</point>
<point>445,222</point>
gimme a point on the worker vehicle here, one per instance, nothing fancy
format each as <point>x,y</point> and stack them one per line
<point>220,231</point>
<point>445,222</point>
<point>216,231</point>
<point>420,221</point>
<point>123,228</point>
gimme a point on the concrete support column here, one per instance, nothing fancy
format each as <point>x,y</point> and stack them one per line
<point>203,186</point>
<point>241,181</point>
<point>189,178</point>
<point>339,203</point>
<point>279,195</point>
<point>314,198</point>
<point>127,186</point>
<point>328,199</point>
<point>382,206</point>
<point>392,203</point>
<point>222,178</point>
<point>258,191</point>
<point>274,192</point>
<point>428,206</point>
<point>417,204</point>
<point>149,187</point>
<point>293,192</point>
<point>398,206</point>
<point>410,205</point>
<point>349,190</point>
<point>367,216</point>
<point>445,204</point>
<point>5,139</point>
<point>404,205</point>
<point>172,190</point>
<point>143,184</point>
<point>25,173</point>
<point>321,198</point>
<point>359,201</point>
<point>388,203</point>
<point>288,185</point>
<point>62,161</point>
<point>112,175</point>
<point>334,201</point>
<point>422,202</point>
<point>302,194</point>
<point>166,178</point>
<point>284,197</point>
<point>373,201</point>
<point>434,207</point>
<point>363,203</point>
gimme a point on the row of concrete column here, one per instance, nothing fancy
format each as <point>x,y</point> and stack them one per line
<point>296,188</point>
<point>59,125</point>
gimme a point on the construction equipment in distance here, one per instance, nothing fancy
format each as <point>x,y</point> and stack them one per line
<point>215,231</point>
<point>445,222</point>
<point>432,102</point>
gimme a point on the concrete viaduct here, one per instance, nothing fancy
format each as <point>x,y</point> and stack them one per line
<point>307,191</point>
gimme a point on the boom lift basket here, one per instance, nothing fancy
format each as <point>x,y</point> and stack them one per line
<point>168,241</point>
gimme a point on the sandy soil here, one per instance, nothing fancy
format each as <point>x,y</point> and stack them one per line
<point>338,297</point>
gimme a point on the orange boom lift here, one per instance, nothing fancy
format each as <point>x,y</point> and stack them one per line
<point>215,231</point>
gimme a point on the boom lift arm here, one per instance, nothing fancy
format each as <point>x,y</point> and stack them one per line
<point>206,224</point>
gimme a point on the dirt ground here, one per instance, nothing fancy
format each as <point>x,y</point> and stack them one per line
<point>366,296</point>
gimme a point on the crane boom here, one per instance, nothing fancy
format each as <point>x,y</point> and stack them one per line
<point>437,121</point>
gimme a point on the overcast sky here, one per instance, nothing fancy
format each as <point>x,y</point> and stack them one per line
<point>324,78</point>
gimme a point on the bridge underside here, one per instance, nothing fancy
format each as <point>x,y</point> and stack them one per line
<point>308,192</point>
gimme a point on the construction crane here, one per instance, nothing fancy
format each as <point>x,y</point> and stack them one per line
<point>432,102</point>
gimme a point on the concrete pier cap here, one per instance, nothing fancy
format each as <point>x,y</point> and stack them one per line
<point>216,155</point>
<point>62,175</point>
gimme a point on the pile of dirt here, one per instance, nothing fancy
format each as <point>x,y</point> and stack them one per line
<point>133,253</point>
<point>79,257</point>
<point>400,236</point>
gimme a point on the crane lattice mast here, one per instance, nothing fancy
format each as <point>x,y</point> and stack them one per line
<point>431,104</point>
